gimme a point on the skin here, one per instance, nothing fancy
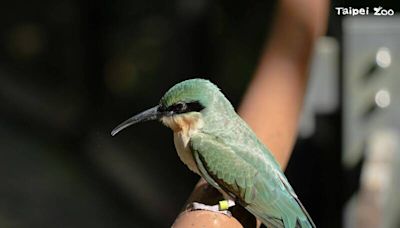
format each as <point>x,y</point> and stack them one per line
<point>276,91</point>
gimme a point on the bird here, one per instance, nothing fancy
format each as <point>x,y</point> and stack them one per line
<point>212,140</point>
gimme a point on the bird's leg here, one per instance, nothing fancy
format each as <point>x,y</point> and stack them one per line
<point>221,207</point>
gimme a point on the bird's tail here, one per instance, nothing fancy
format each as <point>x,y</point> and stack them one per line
<point>286,221</point>
<point>305,219</point>
<point>309,222</point>
<point>287,212</point>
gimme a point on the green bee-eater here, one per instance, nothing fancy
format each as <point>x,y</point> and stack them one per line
<point>214,142</point>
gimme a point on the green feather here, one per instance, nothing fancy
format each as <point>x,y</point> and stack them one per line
<point>230,157</point>
<point>262,191</point>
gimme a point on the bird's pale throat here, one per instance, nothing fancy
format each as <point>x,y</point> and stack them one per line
<point>187,122</point>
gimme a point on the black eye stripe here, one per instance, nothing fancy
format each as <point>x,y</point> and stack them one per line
<point>181,107</point>
<point>194,106</point>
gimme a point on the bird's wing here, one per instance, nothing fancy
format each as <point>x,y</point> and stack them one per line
<point>221,167</point>
<point>265,194</point>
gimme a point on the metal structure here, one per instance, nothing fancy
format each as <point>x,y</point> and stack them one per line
<point>371,117</point>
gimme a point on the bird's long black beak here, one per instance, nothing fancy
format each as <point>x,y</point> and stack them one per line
<point>149,114</point>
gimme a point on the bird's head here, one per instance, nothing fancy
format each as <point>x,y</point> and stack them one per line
<point>182,105</point>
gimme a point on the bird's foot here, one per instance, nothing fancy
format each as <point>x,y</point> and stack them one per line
<point>222,207</point>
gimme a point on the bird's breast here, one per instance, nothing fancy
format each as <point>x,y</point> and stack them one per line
<point>181,142</point>
<point>184,126</point>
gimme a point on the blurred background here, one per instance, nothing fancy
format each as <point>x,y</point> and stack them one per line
<point>72,70</point>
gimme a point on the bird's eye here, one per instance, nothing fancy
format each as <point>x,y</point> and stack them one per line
<point>179,107</point>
